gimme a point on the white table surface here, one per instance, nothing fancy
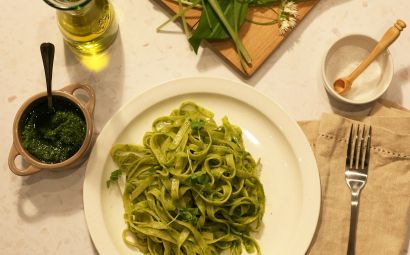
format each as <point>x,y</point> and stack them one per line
<point>43,213</point>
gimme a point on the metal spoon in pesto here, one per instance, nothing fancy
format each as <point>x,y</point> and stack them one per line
<point>47,53</point>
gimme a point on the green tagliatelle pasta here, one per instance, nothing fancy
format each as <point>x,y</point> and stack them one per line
<point>191,188</point>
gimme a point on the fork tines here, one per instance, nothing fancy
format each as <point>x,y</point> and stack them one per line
<point>358,147</point>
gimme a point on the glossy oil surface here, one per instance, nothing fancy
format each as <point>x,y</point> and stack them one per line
<point>90,29</point>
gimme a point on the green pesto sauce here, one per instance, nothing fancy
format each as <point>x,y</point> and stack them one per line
<point>53,136</point>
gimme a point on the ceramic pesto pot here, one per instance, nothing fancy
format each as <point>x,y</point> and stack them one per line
<point>33,164</point>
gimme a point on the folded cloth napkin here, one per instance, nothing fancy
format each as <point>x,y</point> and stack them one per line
<point>384,209</point>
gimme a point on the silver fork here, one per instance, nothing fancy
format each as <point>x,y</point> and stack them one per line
<point>357,163</point>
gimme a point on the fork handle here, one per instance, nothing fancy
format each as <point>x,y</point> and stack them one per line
<point>354,213</point>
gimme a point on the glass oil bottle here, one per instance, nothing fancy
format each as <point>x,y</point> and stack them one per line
<point>89,27</point>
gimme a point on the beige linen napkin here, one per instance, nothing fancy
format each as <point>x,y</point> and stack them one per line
<point>384,212</point>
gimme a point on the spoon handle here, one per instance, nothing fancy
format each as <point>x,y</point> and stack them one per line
<point>388,38</point>
<point>47,53</point>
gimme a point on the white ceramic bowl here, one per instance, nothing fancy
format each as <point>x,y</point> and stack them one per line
<point>344,56</point>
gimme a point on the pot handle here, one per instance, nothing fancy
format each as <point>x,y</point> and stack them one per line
<point>90,91</point>
<point>17,171</point>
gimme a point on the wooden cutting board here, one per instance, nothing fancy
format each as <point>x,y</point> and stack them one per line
<point>260,41</point>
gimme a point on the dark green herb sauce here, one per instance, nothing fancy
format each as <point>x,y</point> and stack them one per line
<point>53,136</point>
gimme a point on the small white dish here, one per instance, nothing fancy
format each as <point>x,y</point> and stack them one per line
<point>344,56</point>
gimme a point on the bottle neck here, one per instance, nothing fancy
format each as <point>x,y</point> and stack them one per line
<point>67,5</point>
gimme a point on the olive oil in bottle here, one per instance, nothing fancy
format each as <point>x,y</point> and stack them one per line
<point>90,27</point>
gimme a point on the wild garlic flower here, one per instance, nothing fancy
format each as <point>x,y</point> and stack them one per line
<point>290,8</point>
<point>287,16</point>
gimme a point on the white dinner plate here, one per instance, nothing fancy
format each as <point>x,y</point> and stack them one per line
<point>289,172</point>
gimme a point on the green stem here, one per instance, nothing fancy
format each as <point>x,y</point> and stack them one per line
<point>262,23</point>
<point>189,3</point>
<point>206,13</point>
<point>168,21</point>
<point>234,35</point>
<point>235,16</point>
<point>180,14</point>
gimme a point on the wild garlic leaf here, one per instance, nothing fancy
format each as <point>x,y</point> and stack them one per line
<point>211,27</point>
<point>197,124</point>
<point>188,214</point>
<point>115,175</point>
<point>200,179</point>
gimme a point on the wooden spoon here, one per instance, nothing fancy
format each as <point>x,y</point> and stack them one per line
<point>342,85</point>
